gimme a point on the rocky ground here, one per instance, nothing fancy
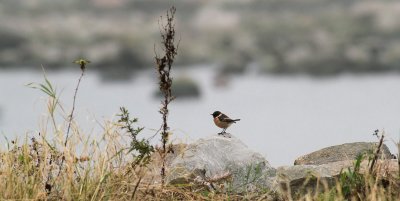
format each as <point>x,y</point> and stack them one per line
<point>224,163</point>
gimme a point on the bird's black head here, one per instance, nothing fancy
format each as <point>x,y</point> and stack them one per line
<point>216,113</point>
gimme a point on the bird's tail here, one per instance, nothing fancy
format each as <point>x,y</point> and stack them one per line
<point>235,120</point>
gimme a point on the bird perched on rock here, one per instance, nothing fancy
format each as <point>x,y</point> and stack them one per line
<point>223,121</point>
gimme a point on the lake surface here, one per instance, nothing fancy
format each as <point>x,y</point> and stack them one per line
<point>283,117</point>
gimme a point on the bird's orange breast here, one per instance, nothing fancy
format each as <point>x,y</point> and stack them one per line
<point>220,123</point>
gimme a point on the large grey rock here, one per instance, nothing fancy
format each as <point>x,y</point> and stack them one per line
<point>219,157</point>
<point>348,151</point>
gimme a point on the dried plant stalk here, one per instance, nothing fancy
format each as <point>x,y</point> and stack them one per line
<point>164,65</point>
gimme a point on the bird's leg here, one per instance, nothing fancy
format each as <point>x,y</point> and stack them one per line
<point>224,130</point>
<point>220,133</point>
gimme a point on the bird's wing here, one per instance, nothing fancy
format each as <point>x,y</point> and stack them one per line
<point>224,118</point>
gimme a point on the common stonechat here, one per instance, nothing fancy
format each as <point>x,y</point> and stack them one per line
<point>223,121</point>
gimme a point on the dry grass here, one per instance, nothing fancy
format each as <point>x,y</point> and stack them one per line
<point>101,170</point>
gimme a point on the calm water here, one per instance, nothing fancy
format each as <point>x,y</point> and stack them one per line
<point>282,117</point>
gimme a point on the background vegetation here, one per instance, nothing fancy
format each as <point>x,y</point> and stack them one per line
<point>286,36</point>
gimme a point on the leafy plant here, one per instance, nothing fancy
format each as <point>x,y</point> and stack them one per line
<point>351,180</point>
<point>140,146</point>
<point>49,90</point>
